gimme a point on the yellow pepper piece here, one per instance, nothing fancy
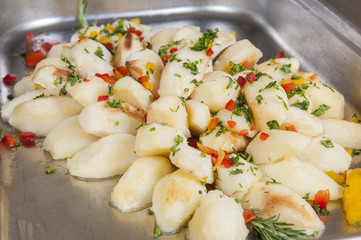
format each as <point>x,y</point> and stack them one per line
<point>118,75</point>
<point>150,67</point>
<point>28,74</point>
<point>352,197</point>
<point>93,34</point>
<point>234,34</point>
<point>135,20</point>
<point>349,150</point>
<point>120,37</point>
<point>228,67</point>
<point>283,82</point>
<point>354,119</point>
<point>37,86</point>
<point>109,27</point>
<point>147,85</point>
<point>337,178</point>
<point>299,81</point>
<point>104,40</point>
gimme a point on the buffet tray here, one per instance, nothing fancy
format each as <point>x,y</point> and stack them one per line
<point>34,205</point>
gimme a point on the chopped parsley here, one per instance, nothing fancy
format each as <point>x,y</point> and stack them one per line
<point>58,81</point>
<point>231,82</point>
<point>205,41</point>
<point>273,124</point>
<point>192,66</point>
<point>241,108</point>
<point>178,140</point>
<point>157,232</point>
<point>116,123</point>
<point>194,81</point>
<point>301,105</point>
<point>110,90</point>
<point>99,52</point>
<point>283,101</point>
<point>296,77</point>
<point>286,68</point>
<point>259,99</point>
<point>177,75</point>
<point>321,110</point>
<point>115,104</point>
<point>328,87</point>
<point>63,91</point>
<point>270,85</point>
<point>152,129</point>
<point>273,181</point>
<point>235,172</point>
<point>203,155</point>
<point>141,125</point>
<point>236,68</point>
<point>327,143</point>
<point>49,170</point>
<point>306,197</point>
<point>150,212</point>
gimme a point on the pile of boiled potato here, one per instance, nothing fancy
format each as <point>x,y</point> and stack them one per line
<point>140,131</point>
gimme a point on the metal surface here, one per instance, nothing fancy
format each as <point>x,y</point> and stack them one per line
<point>34,205</point>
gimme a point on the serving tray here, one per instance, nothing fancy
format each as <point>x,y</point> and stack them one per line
<point>34,205</point>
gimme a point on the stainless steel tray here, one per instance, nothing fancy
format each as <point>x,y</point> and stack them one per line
<point>34,205</point>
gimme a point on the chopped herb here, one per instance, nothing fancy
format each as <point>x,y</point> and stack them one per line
<point>141,125</point>
<point>321,211</point>
<point>151,98</point>
<point>150,212</point>
<point>163,50</point>
<point>10,97</point>
<point>99,52</point>
<point>157,232</point>
<point>183,99</point>
<point>176,110</point>
<point>116,123</point>
<point>177,75</point>
<point>241,108</point>
<point>86,50</point>
<point>191,66</point>
<point>49,170</point>
<point>327,143</point>
<point>231,83</point>
<point>200,192</point>
<point>58,81</point>
<point>205,41</point>
<point>356,152</point>
<point>110,90</point>
<point>186,90</point>
<point>39,96</point>
<point>73,78</point>
<point>273,124</point>
<point>63,91</point>
<point>235,172</point>
<point>286,68</point>
<point>259,99</point>
<point>307,195</point>
<point>328,87</point>
<point>283,101</point>
<point>164,124</point>
<point>204,182</point>
<point>152,129</point>
<point>354,117</point>
<point>236,68</point>
<point>270,85</point>
<point>178,140</point>
<point>82,12</point>
<point>301,105</point>
<point>273,181</point>
<point>196,83</point>
<point>222,129</point>
<point>70,66</point>
<point>321,110</point>
<point>296,77</point>
<point>203,155</point>
<point>240,185</point>
<point>115,104</point>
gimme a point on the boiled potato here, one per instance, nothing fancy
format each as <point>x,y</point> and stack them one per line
<point>101,120</point>
<point>192,161</point>
<point>8,107</point>
<point>226,140</point>
<point>198,116</point>
<point>135,188</point>
<point>280,68</point>
<point>91,47</point>
<point>40,115</point>
<point>223,40</point>
<point>216,90</point>
<point>322,95</point>
<point>175,198</point>
<point>280,144</point>
<point>188,35</point>
<point>108,157</point>
<point>304,122</point>
<point>241,122</point>
<point>326,155</point>
<point>25,85</point>
<point>243,52</point>
<point>67,138</point>
<point>267,100</point>
<point>171,110</point>
<point>345,133</point>
<point>275,199</point>
<point>237,179</point>
<point>88,64</point>
<point>155,139</point>
<point>217,218</point>
<point>60,50</point>
<point>301,177</point>
<point>87,92</point>
<point>85,32</point>
<point>183,73</point>
<point>300,101</point>
<point>130,91</point>
<point>130,43</point>
<point>162,38</point>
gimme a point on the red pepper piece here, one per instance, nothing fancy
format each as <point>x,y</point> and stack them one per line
<point>36,48</point>
<point>9,79</point>
<point>212,124</point>
<point>230,105</point>
<point>231,123</point>
<point>108,46</point>
<point>321,198</point>
<point>27,138</point>
<point>193,142</point>
<point>86,80</point>
<point>251,77</point>
<point>143,79</point>
<point>291,128</point>
<point>226,162</point>
<point>263,136</point>
<point>248,216</point>
<point>243,132</point>
<point>9,141</point>
<point>241,81</point>
<point>106,77</point>
<point>122,70</point>
<point>103,98</point>
<point>173,49</point>
<point>209,52</point>
<point>252,128</point>
<point>288,87</point>
<point>280,55</point>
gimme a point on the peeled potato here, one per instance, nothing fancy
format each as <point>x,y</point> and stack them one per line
<point>108,157</point>
<point>216,90</point>
<point>198,116</point>
<point>67,138</point>
<point>329,156</point>
<point>280,68</point>
<point>237,179</point>
<point>217,218</point>
<point>60,50</point>
<point>188,34</point>
<point>135,188</point>
<point>23,86</point>
<point>90,47</point>
<point>277,200</point>
<point>175,198</point>
<point>155,139</point>
<point>101,120</point>
<point>40,115</point>
<point>280,144</point>
<point>162,37</point>
<point>301,177</point>
<point>345,133</point>
<point>170,110</point>
<point>130,43</point>
<point>223,40</point>
<point>193,161</point>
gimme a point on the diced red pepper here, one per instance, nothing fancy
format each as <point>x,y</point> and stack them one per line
<point>214,160</point>
<point>252,128</point>
<point>27,138</point>
<point>280,55</point>
<point>122,70</point>
<point>209,52</point>
<point>136,32</point>
<point>230,105</point>
<point>143,79</point>
<point>241,81</point>
<point>193,141</point>
<point>9,79</point>
<point>103,98</point>
<point>243,132</point>
<point>263,136</point>
<point>321,198</point>
<point>9,141</point>
<point>207,150</point>
<point>251,77</point>
<point>80,38</point>
<point>173,49</point>
<point>291,128</point>
<point>345,174</point>
<point>226,162</point>
<point>212,124</point>
<point>36,48</point>
<point>108,46</point>
<point>231,123</point>
<point>86,80</point>
<point>106,77</point>
<point>248,216</point>
<point>288,87</point>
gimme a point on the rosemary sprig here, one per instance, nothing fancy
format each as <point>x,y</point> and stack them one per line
<point>82,12</point>
<point>272,229</point>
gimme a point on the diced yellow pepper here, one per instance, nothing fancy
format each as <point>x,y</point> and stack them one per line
<point>147,85</point>
<point>210,45</point>
<point>234,34</point>
<point>299,81</point>
<point>349,150</point>
<point>337,178</point>
<point>28,74</point>
<point>283,82</point>
<point>150,67</point>
<point>228,67</point>
<point>135,20</point>
<point>104,40</point>
<point>37,86</point>
<point>118,75</point>
<point>120,37</point>
<point>109,27</point>
<point>352,197</point>
<point>93,34</point>
<point>354,119</point>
